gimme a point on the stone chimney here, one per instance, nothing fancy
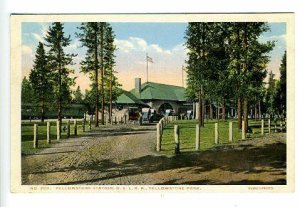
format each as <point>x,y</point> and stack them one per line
<point>138,85</point>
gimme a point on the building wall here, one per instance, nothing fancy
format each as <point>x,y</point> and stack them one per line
<point>155,104</point>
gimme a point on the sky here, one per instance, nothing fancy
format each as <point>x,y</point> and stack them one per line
<point>163,42</point>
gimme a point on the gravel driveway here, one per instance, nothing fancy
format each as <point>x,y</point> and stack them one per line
<point>126,155</point>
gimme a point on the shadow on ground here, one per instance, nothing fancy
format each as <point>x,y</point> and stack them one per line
<point>248,159</point>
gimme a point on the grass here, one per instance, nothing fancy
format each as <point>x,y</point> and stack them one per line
<point>188,134</point>
<point>27,135</point>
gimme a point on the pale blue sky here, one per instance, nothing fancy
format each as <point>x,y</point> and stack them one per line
<point>162,41</point>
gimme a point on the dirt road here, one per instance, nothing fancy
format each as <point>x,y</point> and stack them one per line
<point>127,156</point>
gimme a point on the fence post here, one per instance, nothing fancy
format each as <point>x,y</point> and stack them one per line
<point>75,127</point>
<point>125,119</point>
<point>269,125</point>
<point>243,130</point>
<point>230,132</point>
<point>262,127</point>
<point>48,133</point>
<point>197,137</point>
<point>275,126</point>
<point>216,134</point>
<point>176,136</point>
<point>281,129</point>
<point>68,128</point>
<point>35,136</point>
<point>90,124</point>
<point>161,126</point>
<point>115,120</point>
<point>58,131</point>
<point>83,125</point>
<point>158,137</point>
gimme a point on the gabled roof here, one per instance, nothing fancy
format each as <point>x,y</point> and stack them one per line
<point>128,98</point>
<point>160,91</point>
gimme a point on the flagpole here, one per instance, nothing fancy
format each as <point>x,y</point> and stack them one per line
<point>147,66</point>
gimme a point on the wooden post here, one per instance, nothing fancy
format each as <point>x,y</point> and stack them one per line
<point>90,124</point>
<point>230,132</point>
<point>176,136</point>
<point>48,133</point>
<point>262,127</point>
<point>275,126</point>
<point>161,126</point>
<point>58,132</point>
<point>269,125</point>
<point>35,136</point>
<point>115,120</point>
<point>197,137</point>
<point>243,130</point>
<point>83,125</point>
<point>216,134</point>
<point>75,127</point>
<point>158,137</point>
<point>125,119</point>
<point>281,128</point>
<point>68,128</point>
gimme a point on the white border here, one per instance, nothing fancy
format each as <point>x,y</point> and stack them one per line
<point>157,199</point>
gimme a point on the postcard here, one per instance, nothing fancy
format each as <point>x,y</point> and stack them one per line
<point>152,102</point>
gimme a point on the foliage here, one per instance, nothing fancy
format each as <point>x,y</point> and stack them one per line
<point>40,78</point>
<point>58,62</point>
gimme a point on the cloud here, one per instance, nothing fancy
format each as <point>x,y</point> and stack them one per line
<point>26,50</point>
<point>131,62</point>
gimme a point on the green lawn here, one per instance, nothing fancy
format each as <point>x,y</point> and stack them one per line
<point>27,134</point>
<point>188,134</point>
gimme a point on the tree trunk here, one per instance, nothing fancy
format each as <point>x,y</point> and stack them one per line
<point>102,77</point>
<point>245,106</point>
<point>239,113</point>
<point>259,110</point>
<point>203,106</point>
<point>110,98</point>
<point>60,96</point>
<point>43,110</point>
<point>96,81</point>
<point>210,109</point>
<point>223,109</point>
<point>217,114</point>
<point>199,108</point>
<point>97,98</point>
<point>255,111</point>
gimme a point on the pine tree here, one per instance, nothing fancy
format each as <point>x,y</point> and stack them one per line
<point>111,85</point>
<point>58,62</point>
<point>248,62</point>
<point>40,78</point>
<point>27,97</point>
<point>282,87</point>
<point>98,37</point>
<point>78,96</point>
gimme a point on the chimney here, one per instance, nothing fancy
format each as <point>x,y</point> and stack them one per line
<point>138,85</point>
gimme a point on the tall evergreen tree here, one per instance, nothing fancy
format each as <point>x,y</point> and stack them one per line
<point>78,96</point>
<point>248,62</point>
<point>40,78</point>
<point>111,85</point>
<point>27,94</point>
<point>90,36</point>
<point>58,62</point>
<point>98,38</point>
<point>198,43</point>
<point>282,87</point>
